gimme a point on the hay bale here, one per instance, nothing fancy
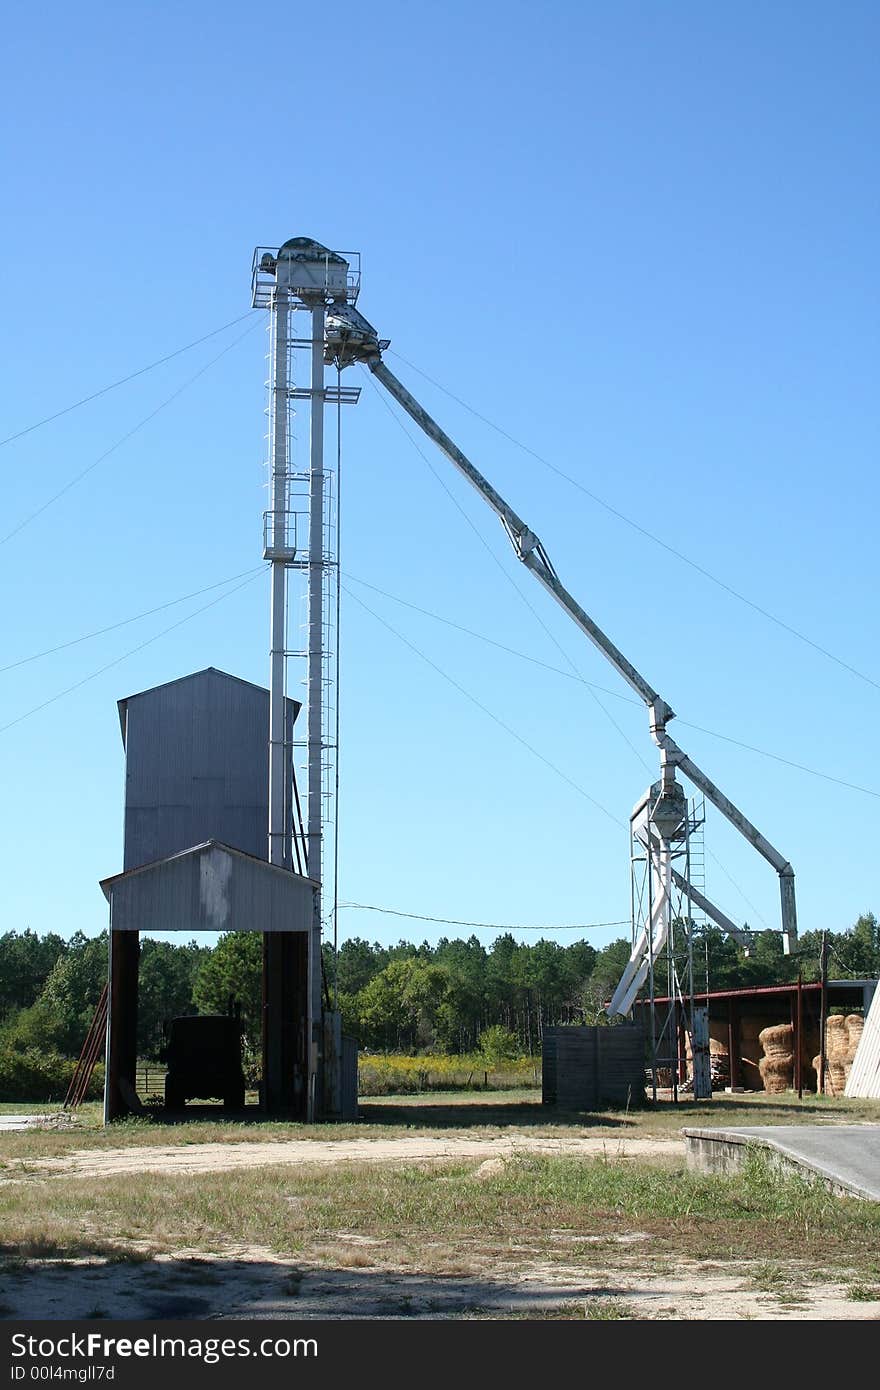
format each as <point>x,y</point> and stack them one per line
<point>836,1052</point>
<point>836,1037</point>
<point>855,1027</point>
<point>777,1040</point>
<point>777,1073</point>
<point>777,1064</point>
<point>835,1075</point>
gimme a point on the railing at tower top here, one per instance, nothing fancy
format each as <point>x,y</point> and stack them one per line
<point>263,276</point>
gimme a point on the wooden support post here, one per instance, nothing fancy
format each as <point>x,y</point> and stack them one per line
<point>799,1037</point>
<point>285,1010</point>
<point>122,1010</point>
<point>823,1013</point>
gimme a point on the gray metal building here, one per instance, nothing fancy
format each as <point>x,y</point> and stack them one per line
<point>196,766</point>
<point>196,858</point>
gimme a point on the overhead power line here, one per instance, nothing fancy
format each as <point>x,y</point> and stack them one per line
<point>486,926</point>
<point>123,380</point>
<point>731,879</point>
<point>124,438</point>
<point>778,758</point>
<point>509,577</point>
<point>119,659</point>
<point>575,676</point>
<point>643,531</point>
<point>125,622</point>
<point>490,641</point>
<point>494,717</point>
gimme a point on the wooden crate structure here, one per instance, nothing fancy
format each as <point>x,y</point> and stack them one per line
<point>588,1068</point>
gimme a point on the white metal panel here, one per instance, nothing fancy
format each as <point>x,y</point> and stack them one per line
<point>864,1076</point>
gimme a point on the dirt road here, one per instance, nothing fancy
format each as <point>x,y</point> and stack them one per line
<point>218,1158</point>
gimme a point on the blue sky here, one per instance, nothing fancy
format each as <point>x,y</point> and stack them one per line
<point>641,238</point>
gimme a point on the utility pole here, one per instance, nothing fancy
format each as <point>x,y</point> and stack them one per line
<point>799,1045</point>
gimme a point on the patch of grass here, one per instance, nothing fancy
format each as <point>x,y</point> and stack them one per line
<point>780,1281</point>
<point>760,1214</point>
<point>771,1278</point>
<point>608,1310</point>
<point>603,1310</point>
<point>59,1243</point>
<point>17,1107</point>
<point>863,1293</point>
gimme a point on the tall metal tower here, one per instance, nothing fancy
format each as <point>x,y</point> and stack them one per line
<point>300,531</point>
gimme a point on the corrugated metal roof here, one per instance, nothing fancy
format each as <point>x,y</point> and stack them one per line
<point>210,887</point>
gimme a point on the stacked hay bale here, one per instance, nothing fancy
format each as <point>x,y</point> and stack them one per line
<point>855,1026</point>
<point>836,1051</point>
<point>777,1064</point>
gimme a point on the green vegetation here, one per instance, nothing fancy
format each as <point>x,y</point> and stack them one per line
<point>863,1293</point>
<point>393,1074</point>
<point>455,998</point>
<point>48,991</point>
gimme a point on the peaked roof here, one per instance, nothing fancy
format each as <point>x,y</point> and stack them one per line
<point>122,705</point>
<point>106,884</point>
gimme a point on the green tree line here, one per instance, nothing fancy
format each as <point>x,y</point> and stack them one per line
<point>407,997</point>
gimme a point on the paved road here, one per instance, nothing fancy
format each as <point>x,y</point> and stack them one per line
<point>846,1155</point>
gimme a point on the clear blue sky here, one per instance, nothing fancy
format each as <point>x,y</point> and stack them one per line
<point>640,237</point>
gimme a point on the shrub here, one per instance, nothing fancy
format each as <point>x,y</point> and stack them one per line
<point>386,1074</point>
<point>38,1075</point>
<point>498,1044</point>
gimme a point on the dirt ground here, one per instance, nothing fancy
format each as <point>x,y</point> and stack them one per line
<point>250,1282</point>
<point>216,1158</point>
<point>356,1278</point>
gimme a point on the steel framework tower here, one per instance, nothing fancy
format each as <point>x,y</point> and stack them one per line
<point>300,529</point>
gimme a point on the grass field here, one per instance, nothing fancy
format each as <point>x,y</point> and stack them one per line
<point>450,1234</point>
<point>453,1112</point>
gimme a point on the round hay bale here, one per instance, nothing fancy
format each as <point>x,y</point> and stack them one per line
<point>777,1074</point>
<point>776,1066</point>
<point>777,1040</point>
